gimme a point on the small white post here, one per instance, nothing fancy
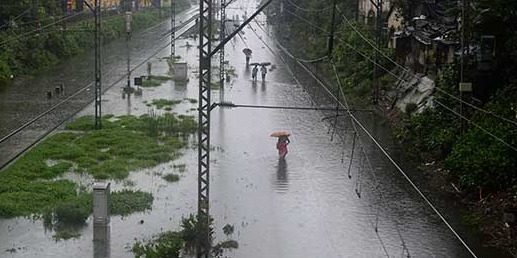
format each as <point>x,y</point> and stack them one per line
<point>101,193</point>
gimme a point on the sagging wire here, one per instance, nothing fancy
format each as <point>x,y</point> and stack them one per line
<point>309,10</point>
<point>358,185</point>
<point>405,250</point>
<point>401,78</point>
<point>402,172</point>
<point>352,155</point>
<point>374,224</point>
<point>476,125</point>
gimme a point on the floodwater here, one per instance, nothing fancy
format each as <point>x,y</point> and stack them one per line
<point>303,206</point>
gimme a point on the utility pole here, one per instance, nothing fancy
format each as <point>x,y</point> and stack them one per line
<point>128,50</point>
<point>376,73</point>
<point>173,37</point>
<point>222,35</point>
<point>205,48</point>
<point>331,36</point>
<point>205,106</point>
<point>98,88</point>
<point>462,61</point>
<point>356,8</point>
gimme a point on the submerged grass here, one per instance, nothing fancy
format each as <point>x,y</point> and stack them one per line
<point>126,202</point>
<point>171,177</point>
<point>161,103</point>
<point>155,80</point>
<point>65,235</point>
<point>29,186</point>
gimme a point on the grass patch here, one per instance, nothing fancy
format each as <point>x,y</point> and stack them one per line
<point>127,202</point>
<point>190,100</point>
<point>180,167</point>
<point>65,235</point>
<point>165,245</point>
<point>171,177</point>
<point>124,144</point>
<point>161,103</point>
<point>155,80</point>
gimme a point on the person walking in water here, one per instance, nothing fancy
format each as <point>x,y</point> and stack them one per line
<point>254,73</point>
<point>263,70</point>
<point>281,145</point>
<point>248,59</point>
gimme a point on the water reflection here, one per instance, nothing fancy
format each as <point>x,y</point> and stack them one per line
<point>128,106</point>
<point>101,241</point>
<point>282,181</point>
<point>263,88</point>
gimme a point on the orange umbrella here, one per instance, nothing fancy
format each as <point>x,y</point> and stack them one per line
<point>280,134</point>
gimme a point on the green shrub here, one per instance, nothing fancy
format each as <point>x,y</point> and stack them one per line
<point>481,160</point>
<point>410,108</point>
<point>72,213</point>
<point>171,177</point>
<point>127,202</point>
<point>166,245</point>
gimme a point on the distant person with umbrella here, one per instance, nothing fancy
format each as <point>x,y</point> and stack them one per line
<point>283,141</point>
<point>247,52</point>
<point>263,70</point>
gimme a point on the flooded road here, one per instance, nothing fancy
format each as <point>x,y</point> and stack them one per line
<point>303,206</point>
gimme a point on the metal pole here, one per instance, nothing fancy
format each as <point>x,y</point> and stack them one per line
<point>173,37</point>
<point>377,57</point>
<point>98,86</point>
<point>331,36</point>
<point>222,35</point>
<point>462,60</point>
<point>205,47</point>
<point>128,49</point>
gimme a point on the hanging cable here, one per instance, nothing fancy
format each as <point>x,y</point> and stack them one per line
<point>475,107</point>
<point>308,10</point>
<point>476,125</point>
<point>16,38</point>
<point>394,164</point>
<point>413,75</point>
<point>403,79</point>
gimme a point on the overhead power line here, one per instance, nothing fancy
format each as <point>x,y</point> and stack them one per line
<point>374,224</point>
<point>476,125</point>
<point>385,153</point>
<point>307,9</point>
<point>406,70</point>
<point>36,30</point>
<point>382,67</point>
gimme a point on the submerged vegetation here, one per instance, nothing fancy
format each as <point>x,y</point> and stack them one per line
<point>171,177</point>
<point>170,243</point>
<point>155,80</point>
<point>161,103</point>
<point>32,185</point>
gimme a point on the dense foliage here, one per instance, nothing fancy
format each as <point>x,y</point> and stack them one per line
<point>306,34</point>
<point>474,157</point>
<point>29,45</point>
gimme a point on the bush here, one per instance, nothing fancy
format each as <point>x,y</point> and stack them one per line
<point>166,245</point>
<point>479,159</point>
<point>171,177</point>
<point>410,108</point>
<point>72,213</point>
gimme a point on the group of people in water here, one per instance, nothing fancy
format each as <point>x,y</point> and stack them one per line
<point>254,72</point>
<point>283,140</point>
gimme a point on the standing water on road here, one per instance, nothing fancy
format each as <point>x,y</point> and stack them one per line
<point>302,206</point>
